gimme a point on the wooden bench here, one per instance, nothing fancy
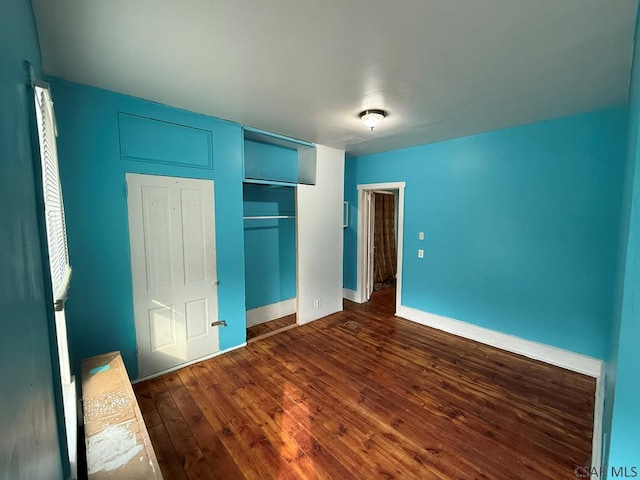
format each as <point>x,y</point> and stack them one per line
<point>116,439</point>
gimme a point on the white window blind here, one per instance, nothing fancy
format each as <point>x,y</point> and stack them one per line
<point>53,204</point>
<point>58,258</point>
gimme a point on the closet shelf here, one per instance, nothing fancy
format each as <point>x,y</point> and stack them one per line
<point>267,217</point>
<point>270,183</point>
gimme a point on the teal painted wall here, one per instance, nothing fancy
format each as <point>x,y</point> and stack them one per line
<point>350,242</point>
<point>269,245</point>
<point>622,415</point>
<point>93,163</point>
<point>521,227</point>
<point>29,443</point>
<point>270,162</point>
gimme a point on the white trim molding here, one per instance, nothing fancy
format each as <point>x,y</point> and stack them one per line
<point>351,295</point>
<point>538,351</point>
<point>598,413</point>
<point>186,364</point>
<point>382,186</point>
<point>259,315</point>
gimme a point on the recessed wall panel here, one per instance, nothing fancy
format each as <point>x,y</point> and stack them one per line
<point>145,139</point>
<point>197,318</point>
<point>157,236</point>
<point>193,237</point>
<point>162,328</point>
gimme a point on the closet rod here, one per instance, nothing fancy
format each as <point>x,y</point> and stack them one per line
<point>261,217</point>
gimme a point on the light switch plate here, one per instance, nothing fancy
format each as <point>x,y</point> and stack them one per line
<point>420,253</point>
<point>421,236</point>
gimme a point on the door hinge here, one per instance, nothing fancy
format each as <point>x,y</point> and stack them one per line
<point>126,190</point>
<point>219,323</point>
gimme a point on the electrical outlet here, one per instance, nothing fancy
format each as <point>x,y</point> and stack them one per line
<point>421,236</point>
<point>420,253</point>
<point>318,303</point>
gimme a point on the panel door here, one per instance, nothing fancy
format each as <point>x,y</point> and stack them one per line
<point>173,262</point>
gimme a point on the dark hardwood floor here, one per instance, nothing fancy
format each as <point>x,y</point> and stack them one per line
<point>365,395</point>
<point>270,327</point>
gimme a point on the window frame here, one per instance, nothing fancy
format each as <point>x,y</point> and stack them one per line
<point>59,267</point>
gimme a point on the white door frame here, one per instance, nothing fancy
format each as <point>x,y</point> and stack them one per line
<point>363,236</point>
<point>369,208</point>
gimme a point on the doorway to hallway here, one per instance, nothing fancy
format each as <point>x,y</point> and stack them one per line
<point>381,204</point>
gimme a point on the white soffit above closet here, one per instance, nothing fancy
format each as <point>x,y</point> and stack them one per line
<point>306,68</point>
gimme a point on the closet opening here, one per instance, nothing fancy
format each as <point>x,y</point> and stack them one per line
<point>273,167</point>
<point>270,258</point>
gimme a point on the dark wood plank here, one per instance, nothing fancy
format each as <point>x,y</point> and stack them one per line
<point>147,407</point>
<point>265,457</point>
<point>335,419</point>
<point>170,464</point>
<point>189,453</point>
<point>346,392</point>
<point>264,411</point>
<point>481,412</point>
<point>443,414</point>
<point>222,425</point>
<point>287,413</point>
<point>376,397</point>
<point>220,461</point>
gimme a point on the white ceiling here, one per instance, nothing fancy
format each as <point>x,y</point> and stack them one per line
<point>306,68</point>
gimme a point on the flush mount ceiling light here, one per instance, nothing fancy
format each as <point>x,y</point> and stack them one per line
<point>372,118</point>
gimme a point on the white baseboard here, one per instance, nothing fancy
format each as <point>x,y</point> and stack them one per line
<point>186,364</point>
<point>259,315</point>
<point>351,295</point>
<point>598,413</point>
<point>538,351</point>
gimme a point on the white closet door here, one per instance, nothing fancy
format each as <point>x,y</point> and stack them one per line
<point>173,262</point>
